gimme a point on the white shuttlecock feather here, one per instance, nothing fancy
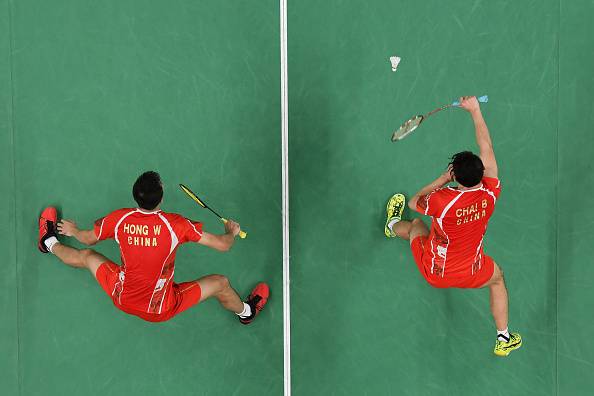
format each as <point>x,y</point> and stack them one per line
<point>394,60</point>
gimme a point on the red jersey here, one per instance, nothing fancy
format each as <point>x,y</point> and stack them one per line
<point>148,243</point>
<point>458,227</point>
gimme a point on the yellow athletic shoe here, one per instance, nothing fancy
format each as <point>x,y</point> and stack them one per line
<point>503,348</point>
<point>394,210</point>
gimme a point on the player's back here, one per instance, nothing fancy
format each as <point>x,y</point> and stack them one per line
<point>460,219</point>
<point>145,244</point>
<point>148,243</point>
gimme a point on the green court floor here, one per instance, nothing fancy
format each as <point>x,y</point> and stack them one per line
<point>94,93</point>
<point>101,92</point>
<point>575,303</point>
<point>364,322</point>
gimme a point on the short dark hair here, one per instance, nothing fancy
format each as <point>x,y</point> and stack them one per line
<point>468,168</point>
<point>148,190</point>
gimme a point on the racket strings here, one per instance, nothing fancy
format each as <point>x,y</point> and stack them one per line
<point>407,127</point>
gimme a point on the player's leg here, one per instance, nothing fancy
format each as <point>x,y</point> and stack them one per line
<point>409,230</point>
<point>85,258</point>
<point>417,228</point>
<point>48,243</point>
<point>506,341</point>
<point>395,226</point>
<point>498,298</point>
<point>218,286</point>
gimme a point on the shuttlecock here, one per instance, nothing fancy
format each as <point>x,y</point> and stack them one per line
<point>394,60</point>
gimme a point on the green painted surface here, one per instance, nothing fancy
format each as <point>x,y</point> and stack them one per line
<point>576,240</point>
<point>8,296</point>
<point>104,91</point>
<point>364,321</point>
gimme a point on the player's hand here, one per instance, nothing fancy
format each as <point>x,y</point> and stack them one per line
<point>232,227</point>
<point>448,175</point>
<point>67,227</point>
<point>470,104</point>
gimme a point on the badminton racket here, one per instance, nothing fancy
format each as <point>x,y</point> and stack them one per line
<point>190,193</point>
<point>413,123</point>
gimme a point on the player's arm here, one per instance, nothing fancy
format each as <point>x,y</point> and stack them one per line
<point>441,181</point>
<point>483,138</point>
<point>224,242</point>
<point>69,228</point>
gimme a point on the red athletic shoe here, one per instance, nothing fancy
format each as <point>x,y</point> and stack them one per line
<point>47,227</point>
<point>256,300</point>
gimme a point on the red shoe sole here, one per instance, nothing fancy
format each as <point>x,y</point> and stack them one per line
<point>263,291</point>
<point>49,214</point>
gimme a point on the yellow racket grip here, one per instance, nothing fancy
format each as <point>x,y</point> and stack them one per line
<point>242,234</point>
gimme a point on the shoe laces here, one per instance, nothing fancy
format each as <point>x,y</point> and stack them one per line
<point>501,337</point>
<point>254,302</point>
<point>50,228</point>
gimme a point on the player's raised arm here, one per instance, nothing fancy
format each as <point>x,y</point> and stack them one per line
<point>483,138</point>
<point>222,243</point>
<point>441,181</point>
<point>69,228</point>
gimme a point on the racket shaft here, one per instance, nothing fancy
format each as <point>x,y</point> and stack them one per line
<point>190,193</point>
<point>215,213</point>
<point>437,110</point>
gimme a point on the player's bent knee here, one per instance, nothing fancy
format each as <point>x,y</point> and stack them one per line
<point>497,274</point>
<point>225,284</point>
<point>418,228</point>
<point>222,282</point>
<point>213,285</point>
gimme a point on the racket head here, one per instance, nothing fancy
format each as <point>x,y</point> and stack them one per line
<point>406,128</point>
<point>192,195</point>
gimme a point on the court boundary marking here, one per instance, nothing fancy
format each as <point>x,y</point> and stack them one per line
<point>285,199</point>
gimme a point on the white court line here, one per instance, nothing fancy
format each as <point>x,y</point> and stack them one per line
<point>285,197</point>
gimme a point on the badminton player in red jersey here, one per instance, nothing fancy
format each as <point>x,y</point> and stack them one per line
<point>148,239</point>
<point>451,253</point>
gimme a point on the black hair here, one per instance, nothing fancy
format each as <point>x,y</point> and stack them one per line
<point>467,168</point>
<point>148,190</point>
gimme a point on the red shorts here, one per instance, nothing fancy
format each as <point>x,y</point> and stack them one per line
<point>475,281</point>
<point>186,294</point>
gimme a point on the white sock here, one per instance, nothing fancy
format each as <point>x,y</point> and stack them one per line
<point>50,242</point>
<point>392,222</point>
<point>246,313</point>
<point>503,335</point>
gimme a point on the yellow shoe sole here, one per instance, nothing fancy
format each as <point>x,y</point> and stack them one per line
<point>394,208</point>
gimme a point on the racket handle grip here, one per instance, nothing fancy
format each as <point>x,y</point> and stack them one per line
<point>242,234</point>
<point>481,99</point>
